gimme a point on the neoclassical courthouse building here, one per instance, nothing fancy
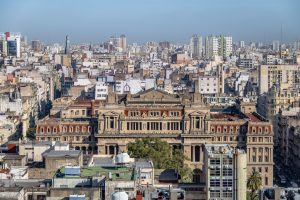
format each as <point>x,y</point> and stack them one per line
<point>184,121</point>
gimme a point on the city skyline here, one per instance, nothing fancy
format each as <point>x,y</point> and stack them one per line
<point>156,21</point>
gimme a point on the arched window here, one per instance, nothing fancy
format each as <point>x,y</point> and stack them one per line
<point>71,129</point>
<point>42,130</point>
<point>64,129</point>
<point>54,130</point>
<point>77,129</point>
<point>48,130</point>
<point>83,129</point>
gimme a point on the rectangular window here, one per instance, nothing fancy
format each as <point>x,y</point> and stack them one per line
<point>111,122</point>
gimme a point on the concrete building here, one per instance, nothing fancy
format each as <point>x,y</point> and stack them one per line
<point>211,47</point>
<point>225,172</point>
<point>288,138</point>
<point>14,45</point>
<point>196,46</point>
<point>287,76</point>
<point>276,45</point>
<point>33,150</point>
<point>123,43</point>
<point>208,85</point>
<point>269,104</point>
<point>101,90</point>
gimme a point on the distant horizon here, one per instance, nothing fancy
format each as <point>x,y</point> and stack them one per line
<point>169,20</point>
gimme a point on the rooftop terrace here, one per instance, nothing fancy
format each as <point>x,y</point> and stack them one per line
<point>117,173</point>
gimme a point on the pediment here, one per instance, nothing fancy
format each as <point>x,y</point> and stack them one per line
<point>111,113</point>
<point>197,113</point>
<point>153,94</point>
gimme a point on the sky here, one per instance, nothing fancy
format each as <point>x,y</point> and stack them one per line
<point>151,20</point>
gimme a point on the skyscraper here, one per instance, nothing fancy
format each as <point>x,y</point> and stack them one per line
<point>211,46</point>
<point>276,45</point>
<point>242,44</point>
<point>196,46</point>
<point>13,44</point>
<point>67,44</point>
<point>225,46</point>
<point>36,45</point>
<point>123,42</point>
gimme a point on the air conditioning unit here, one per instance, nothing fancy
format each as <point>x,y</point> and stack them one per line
<point>226,166</point>
<point>211,167</point>
<point>229,188</point>
<point>211,188</point>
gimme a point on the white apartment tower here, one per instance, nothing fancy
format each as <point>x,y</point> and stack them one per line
<point>211,46</point>
<point>227,46</point>
<point>276,45</point>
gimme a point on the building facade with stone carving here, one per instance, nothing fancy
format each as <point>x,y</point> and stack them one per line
<point>185,122</point>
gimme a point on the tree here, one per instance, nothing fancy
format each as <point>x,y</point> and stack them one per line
<point>161,154</point>
<point>253,184</point>
<point>30,134</point>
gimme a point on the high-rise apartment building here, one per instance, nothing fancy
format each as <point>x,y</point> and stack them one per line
<point>225,172</point>
<point>196,46</point>
<point>284,76</point>
<point>225,46</point>
<point>211,46</point>
<point>123,42</point>
<point>36,45</point>
<point>218,46</point>
<point>242,44</point>
<point>3,47</point>
<point>276,45</point>
<point>67,44</point>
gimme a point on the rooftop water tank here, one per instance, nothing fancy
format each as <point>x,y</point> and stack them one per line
<point>119,196</point>
<point>122,158</point>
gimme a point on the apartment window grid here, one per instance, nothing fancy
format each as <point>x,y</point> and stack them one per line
<point>221,177</point>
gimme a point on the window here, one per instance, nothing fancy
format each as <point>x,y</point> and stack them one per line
<point>215,172</point>
<point>42,130</point>
<point>154,113</point>
<point>225,129</point>
<point>227,172</point>
<point>54,130</point>
<point>134,113</point>
<point>227,182</point>
<point>266,169</point>
<point>174,114</point>
<point>77,129</point>
<point>214,183</point>
<point>197,122</point>
<point>266,181</point>
<point>83,112</point>
<point>111,122</point>
<point>48,130</point>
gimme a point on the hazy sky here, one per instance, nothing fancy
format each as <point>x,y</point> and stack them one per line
<point>146,20</point>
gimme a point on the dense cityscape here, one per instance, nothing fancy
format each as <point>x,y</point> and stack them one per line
<point>214,118</point>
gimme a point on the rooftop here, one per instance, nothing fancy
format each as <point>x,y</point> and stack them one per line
<point>62,153</point>
<point>117,173</point>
